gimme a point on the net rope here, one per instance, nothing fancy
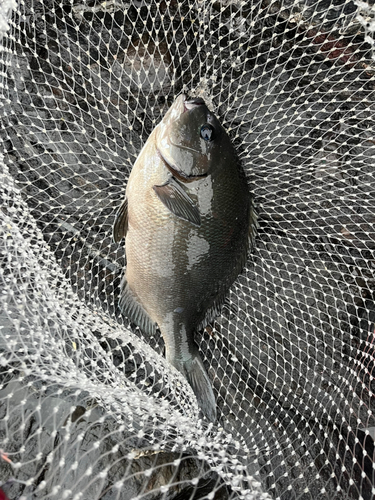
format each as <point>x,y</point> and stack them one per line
<point>89,407</point>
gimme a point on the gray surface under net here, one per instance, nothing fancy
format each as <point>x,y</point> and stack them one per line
<point>89,408</point>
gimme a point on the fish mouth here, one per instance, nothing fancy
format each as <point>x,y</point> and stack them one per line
<point>193,103</point>
<point>178,174</point>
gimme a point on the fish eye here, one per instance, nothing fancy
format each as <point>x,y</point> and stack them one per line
<point>208,132</point>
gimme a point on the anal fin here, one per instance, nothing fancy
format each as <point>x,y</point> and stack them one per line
<point>131,308</point>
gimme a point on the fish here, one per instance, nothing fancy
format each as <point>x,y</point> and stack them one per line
<point>188,220</point>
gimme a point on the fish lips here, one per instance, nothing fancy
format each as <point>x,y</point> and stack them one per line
<point>193,103</point>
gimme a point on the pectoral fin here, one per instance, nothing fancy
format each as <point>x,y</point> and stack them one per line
<point>174,197</point>
<point>120,227</point>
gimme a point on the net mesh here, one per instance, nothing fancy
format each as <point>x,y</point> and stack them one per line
<point>89,408</point>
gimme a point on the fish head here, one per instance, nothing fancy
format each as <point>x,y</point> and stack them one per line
<point>191,140</point>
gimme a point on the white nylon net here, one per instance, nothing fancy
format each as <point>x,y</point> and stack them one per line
<point>89,408</point>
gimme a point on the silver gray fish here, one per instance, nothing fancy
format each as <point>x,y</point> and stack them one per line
<point>188,220</point>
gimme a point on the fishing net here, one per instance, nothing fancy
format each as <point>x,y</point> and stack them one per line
<point>89,408</point>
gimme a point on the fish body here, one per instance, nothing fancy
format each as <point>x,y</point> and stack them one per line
<point>188,221</point>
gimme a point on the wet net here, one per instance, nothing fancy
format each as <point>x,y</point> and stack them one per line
<point>89,408</point>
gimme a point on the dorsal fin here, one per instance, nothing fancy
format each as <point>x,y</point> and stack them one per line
<point>253,224</point>
<point>214,310</point>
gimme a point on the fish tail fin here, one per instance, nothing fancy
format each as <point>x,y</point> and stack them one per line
<point>196,375</point>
